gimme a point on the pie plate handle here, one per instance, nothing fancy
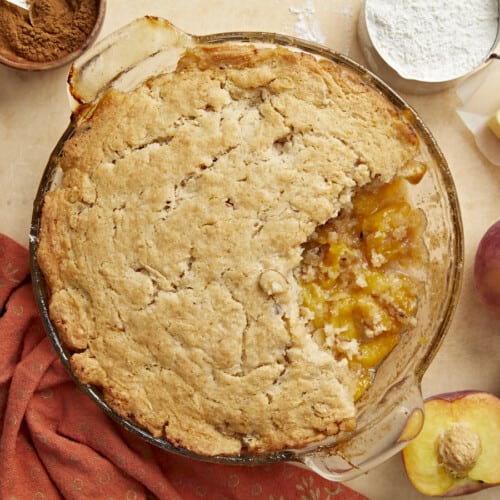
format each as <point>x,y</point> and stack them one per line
<point>142,49</point>
<point>400,420</point>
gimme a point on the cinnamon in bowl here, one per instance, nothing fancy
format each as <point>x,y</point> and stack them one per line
<point>49,34</point>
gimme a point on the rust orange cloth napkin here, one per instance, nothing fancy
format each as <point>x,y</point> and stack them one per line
<point>56,443</point>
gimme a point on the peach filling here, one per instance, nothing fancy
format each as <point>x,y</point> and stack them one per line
<point>358,276</point>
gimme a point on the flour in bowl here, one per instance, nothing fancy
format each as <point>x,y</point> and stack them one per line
<point>433,41</point>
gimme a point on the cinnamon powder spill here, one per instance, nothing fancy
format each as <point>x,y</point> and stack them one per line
<point>49,31</point>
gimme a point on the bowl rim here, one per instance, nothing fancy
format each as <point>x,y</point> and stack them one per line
<point>450,301</point>
<point>27,65</point>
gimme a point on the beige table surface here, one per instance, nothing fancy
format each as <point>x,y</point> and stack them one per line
<point>34,112</point>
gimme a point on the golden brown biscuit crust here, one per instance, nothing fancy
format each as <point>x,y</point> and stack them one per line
<point>170,245</point>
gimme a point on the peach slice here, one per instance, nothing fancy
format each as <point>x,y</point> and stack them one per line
<point>458,449</point>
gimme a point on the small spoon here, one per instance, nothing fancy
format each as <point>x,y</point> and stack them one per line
<point>20,3</point>
<point>25,5</point>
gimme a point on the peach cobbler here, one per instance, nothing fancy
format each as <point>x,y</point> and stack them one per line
<point>231,251</point>
<point>359,277</point>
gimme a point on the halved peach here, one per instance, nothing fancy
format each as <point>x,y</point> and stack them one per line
<point>458,449</point>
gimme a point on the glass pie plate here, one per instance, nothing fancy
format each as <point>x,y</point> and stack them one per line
<point>150,46</point>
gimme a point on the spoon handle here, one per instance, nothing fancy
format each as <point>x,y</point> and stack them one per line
<point>20,3</point>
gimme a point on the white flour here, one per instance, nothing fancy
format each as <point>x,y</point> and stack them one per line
<point>348,27</point>
<point>306,26</point>
<point>432,40</point>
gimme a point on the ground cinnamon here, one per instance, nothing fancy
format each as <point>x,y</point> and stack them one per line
<point>48,31</point>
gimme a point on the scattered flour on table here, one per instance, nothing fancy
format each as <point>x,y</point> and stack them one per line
<point>432,40</point>
<point>307,26</point>
<point>349,28</point>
